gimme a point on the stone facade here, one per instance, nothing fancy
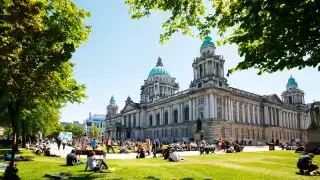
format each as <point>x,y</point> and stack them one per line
<point>227,112</point>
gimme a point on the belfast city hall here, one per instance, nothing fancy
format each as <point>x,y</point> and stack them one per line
<point>166,113</point>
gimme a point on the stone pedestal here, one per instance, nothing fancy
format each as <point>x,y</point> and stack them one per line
<point>198,135</point>
<point>313,137</point>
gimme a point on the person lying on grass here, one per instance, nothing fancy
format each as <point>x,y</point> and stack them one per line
<point>92,164</point>
<point>305,163</point>
<point>7,157</point>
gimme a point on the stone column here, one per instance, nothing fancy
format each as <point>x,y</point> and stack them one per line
<point>225,99</point>
<point>190,109</point>
<point>281,117</point>
<point>271,118</point>
<point>248,111</point>
<point>258,120</point>
<point>230,110</point>
<point>206,68</point>
<point>253,118</point>
<point>206,106</point>
<point>182,112</point>
<point>265,115</point>
<point>195,73</point>
<point>238,111</point>
<point>243,114</point>
<point>170,114</point>
<point>194,109</point>
<point>211,106</point>
<point>215,105</point>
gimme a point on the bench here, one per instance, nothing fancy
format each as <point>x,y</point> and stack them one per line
<point>87,152</point>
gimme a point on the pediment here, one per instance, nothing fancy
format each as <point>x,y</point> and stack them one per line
<point>129,107</point>
<point>274,98</point>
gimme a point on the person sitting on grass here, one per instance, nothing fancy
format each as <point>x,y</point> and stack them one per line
<point>72,159</point>
<point>174,156</point>
<point>140,153</point>
<point>166,153</point>
<point>47,153</point>
<point>305,163</point>
<point>92,164</point>
<point>123,149</point>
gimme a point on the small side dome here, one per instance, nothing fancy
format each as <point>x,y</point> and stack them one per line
<point>159,69</point>
<point>112,99</point>
<point>292,82</point>
<point>207,42</point>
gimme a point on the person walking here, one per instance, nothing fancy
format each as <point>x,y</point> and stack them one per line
<point>93,144</point>
<point>109,144</point>
<point>58,143</point>
<point>148,146</point>
<point>64,142</point>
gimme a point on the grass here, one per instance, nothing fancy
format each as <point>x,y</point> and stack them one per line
<point>257,165</point>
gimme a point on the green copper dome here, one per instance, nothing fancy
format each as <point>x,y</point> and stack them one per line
<point>292,82</point>
<point>159,69</point>
<point>207,42</point>
<point>112,99</point>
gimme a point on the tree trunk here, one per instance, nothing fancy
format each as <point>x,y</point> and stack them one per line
<point>23,129</point>
<point>17,138</point>
<point>14,113</point>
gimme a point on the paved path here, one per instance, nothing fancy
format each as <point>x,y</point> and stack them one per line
<point>63,153</point>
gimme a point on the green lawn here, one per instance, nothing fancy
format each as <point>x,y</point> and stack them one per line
<point>247,166</point>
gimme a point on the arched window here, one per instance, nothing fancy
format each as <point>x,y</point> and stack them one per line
<point>150,120</point>
<point>175,116</point>
<point>166,117</point>
<point>186,113</point>
<point>158,119</point>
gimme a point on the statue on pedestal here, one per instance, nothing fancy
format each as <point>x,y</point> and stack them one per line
<point>313,132</point>
<point>199,125</point>
<point>315,116</point>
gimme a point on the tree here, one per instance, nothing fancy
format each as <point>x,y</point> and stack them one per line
<point>77,131</point>
<point>94,132</point>
<point>68,127</point>
<point>37,40</point>
<point>7,132</point>
<point>59,128</point>
<point>271,35</point>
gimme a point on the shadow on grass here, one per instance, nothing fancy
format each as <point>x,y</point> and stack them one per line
<point>193,179</point>
<point>152,178</point>
<point>68,175</point>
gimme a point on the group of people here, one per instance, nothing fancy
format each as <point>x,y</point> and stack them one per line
<point>94,163</point>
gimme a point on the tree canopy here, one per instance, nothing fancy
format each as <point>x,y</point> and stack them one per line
<point>68,127</point>
<point>94,132</point>
<point>271,35</point>
<point>37,40</point>
<point>77,131</point>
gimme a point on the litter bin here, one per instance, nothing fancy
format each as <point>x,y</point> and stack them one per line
<point>271,147</point>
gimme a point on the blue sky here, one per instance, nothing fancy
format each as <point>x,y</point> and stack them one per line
<point>120,53</point>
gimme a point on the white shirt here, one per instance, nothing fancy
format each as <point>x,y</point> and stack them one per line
<point>64,141</point>
<point>91,162</point>
<point>175,157</point>
<point>109,141</point>
<point>231,149</point>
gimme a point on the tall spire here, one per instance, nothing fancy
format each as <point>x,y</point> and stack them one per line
<point>159,62</point>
